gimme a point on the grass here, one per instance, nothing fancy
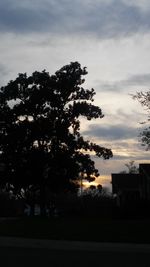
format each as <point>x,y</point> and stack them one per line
<point>78,228</point>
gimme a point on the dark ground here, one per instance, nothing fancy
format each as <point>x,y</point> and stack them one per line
<point>22,257</point>
<point>78,228</point>
<point>75,228</point>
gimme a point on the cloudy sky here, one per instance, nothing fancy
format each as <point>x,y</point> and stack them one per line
<point>110,37</point>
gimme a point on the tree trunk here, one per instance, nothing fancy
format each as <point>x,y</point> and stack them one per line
<point>42,201</point>
<point>32,209</point>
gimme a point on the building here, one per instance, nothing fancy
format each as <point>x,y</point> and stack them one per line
<point>132,187</point>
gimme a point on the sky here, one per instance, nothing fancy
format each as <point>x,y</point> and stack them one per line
<point>111,38</point>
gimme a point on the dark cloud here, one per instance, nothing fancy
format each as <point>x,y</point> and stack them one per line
<point>116,132</point>
<point>134,80</point>
<point>137,156</point>
<point>19,19</point>
<point>104,19</point>
<point>116,86</point>
<point>143,79</point>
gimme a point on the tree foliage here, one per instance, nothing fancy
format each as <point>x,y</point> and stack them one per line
<point>131,167</point>
<point>144,100</point>
<point>40,140</point>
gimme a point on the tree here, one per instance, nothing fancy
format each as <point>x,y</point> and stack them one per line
<point>132,168</point>
<point>144,100</point>
<point>95,190</point>
<point>40,136</point>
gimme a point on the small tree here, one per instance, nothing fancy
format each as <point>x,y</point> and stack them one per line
<point>131,167</point>
<point>40,136</point>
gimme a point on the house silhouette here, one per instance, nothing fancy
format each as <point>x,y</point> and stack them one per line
<point>132,187</point>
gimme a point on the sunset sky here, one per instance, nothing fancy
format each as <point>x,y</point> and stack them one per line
<point>110,37</point>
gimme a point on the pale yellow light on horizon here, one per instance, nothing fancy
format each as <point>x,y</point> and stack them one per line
<point>104,180</point>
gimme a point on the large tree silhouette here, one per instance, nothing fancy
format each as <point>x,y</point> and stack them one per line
<point>40,141</point>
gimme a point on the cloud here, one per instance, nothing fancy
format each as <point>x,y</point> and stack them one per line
<point>111,132</point>
<point>138,80</point>
<point>117,163</point>
<point>133,80</point>
<point>4,71</point>
<point>105,19</point>
<point>144,4</point>
<point>20,18</point>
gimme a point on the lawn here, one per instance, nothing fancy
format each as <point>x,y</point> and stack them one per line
<point>78,228</point>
